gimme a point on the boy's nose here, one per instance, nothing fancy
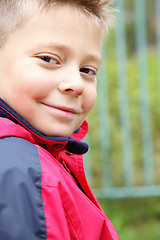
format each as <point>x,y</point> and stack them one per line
<point>73,85</point>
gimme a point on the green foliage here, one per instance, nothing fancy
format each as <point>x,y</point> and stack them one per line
<point>130,17</point>
<point>134,218</point>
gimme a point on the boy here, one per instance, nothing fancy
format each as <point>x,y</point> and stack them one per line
<point>50,56</point>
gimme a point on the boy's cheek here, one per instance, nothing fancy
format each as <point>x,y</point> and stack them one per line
<point>92,96</point>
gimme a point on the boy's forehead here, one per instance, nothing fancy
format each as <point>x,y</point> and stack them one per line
<point>54,29</point>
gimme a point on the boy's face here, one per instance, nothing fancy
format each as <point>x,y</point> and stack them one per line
<point>48,70</point>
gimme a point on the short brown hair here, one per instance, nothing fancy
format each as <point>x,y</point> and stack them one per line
<point>14,13</point>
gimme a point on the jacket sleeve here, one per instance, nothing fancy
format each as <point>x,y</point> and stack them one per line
<point>21,207</point>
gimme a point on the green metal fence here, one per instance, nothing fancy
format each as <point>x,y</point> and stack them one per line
<point>124,160</point>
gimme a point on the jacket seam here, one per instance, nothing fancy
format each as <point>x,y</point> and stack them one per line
<point>71,222</point>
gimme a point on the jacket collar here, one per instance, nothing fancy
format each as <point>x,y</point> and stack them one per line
<point>71,144</point>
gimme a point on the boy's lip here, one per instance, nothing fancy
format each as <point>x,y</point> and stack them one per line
<point>63,108</point>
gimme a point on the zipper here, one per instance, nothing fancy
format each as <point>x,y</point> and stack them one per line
<point>66,167</point>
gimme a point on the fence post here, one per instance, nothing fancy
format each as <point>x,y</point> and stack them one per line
<point>123,93</point>
<point>140,16</point>
<point>157,10</point>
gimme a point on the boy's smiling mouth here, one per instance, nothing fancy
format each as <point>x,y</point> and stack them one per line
<point>62,111</point>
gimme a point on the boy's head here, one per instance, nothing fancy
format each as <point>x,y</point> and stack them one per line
<point>50,55</point>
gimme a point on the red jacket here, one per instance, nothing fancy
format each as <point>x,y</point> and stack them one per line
<point>44,190</point>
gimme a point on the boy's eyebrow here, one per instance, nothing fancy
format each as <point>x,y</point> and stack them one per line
<point>95,58</point>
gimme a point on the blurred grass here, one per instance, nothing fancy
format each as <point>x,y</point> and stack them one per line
<point>134,219</point>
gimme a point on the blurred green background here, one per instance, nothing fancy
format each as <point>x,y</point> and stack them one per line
<point>134,218</point>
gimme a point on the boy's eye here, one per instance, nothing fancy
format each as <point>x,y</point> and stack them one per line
<point>49,59</point>
<point>88,71</point>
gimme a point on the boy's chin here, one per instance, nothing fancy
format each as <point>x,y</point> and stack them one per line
<point>61,133</point>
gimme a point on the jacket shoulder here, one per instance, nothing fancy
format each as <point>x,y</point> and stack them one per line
<point>21,206</point>
<point>18,155</point>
